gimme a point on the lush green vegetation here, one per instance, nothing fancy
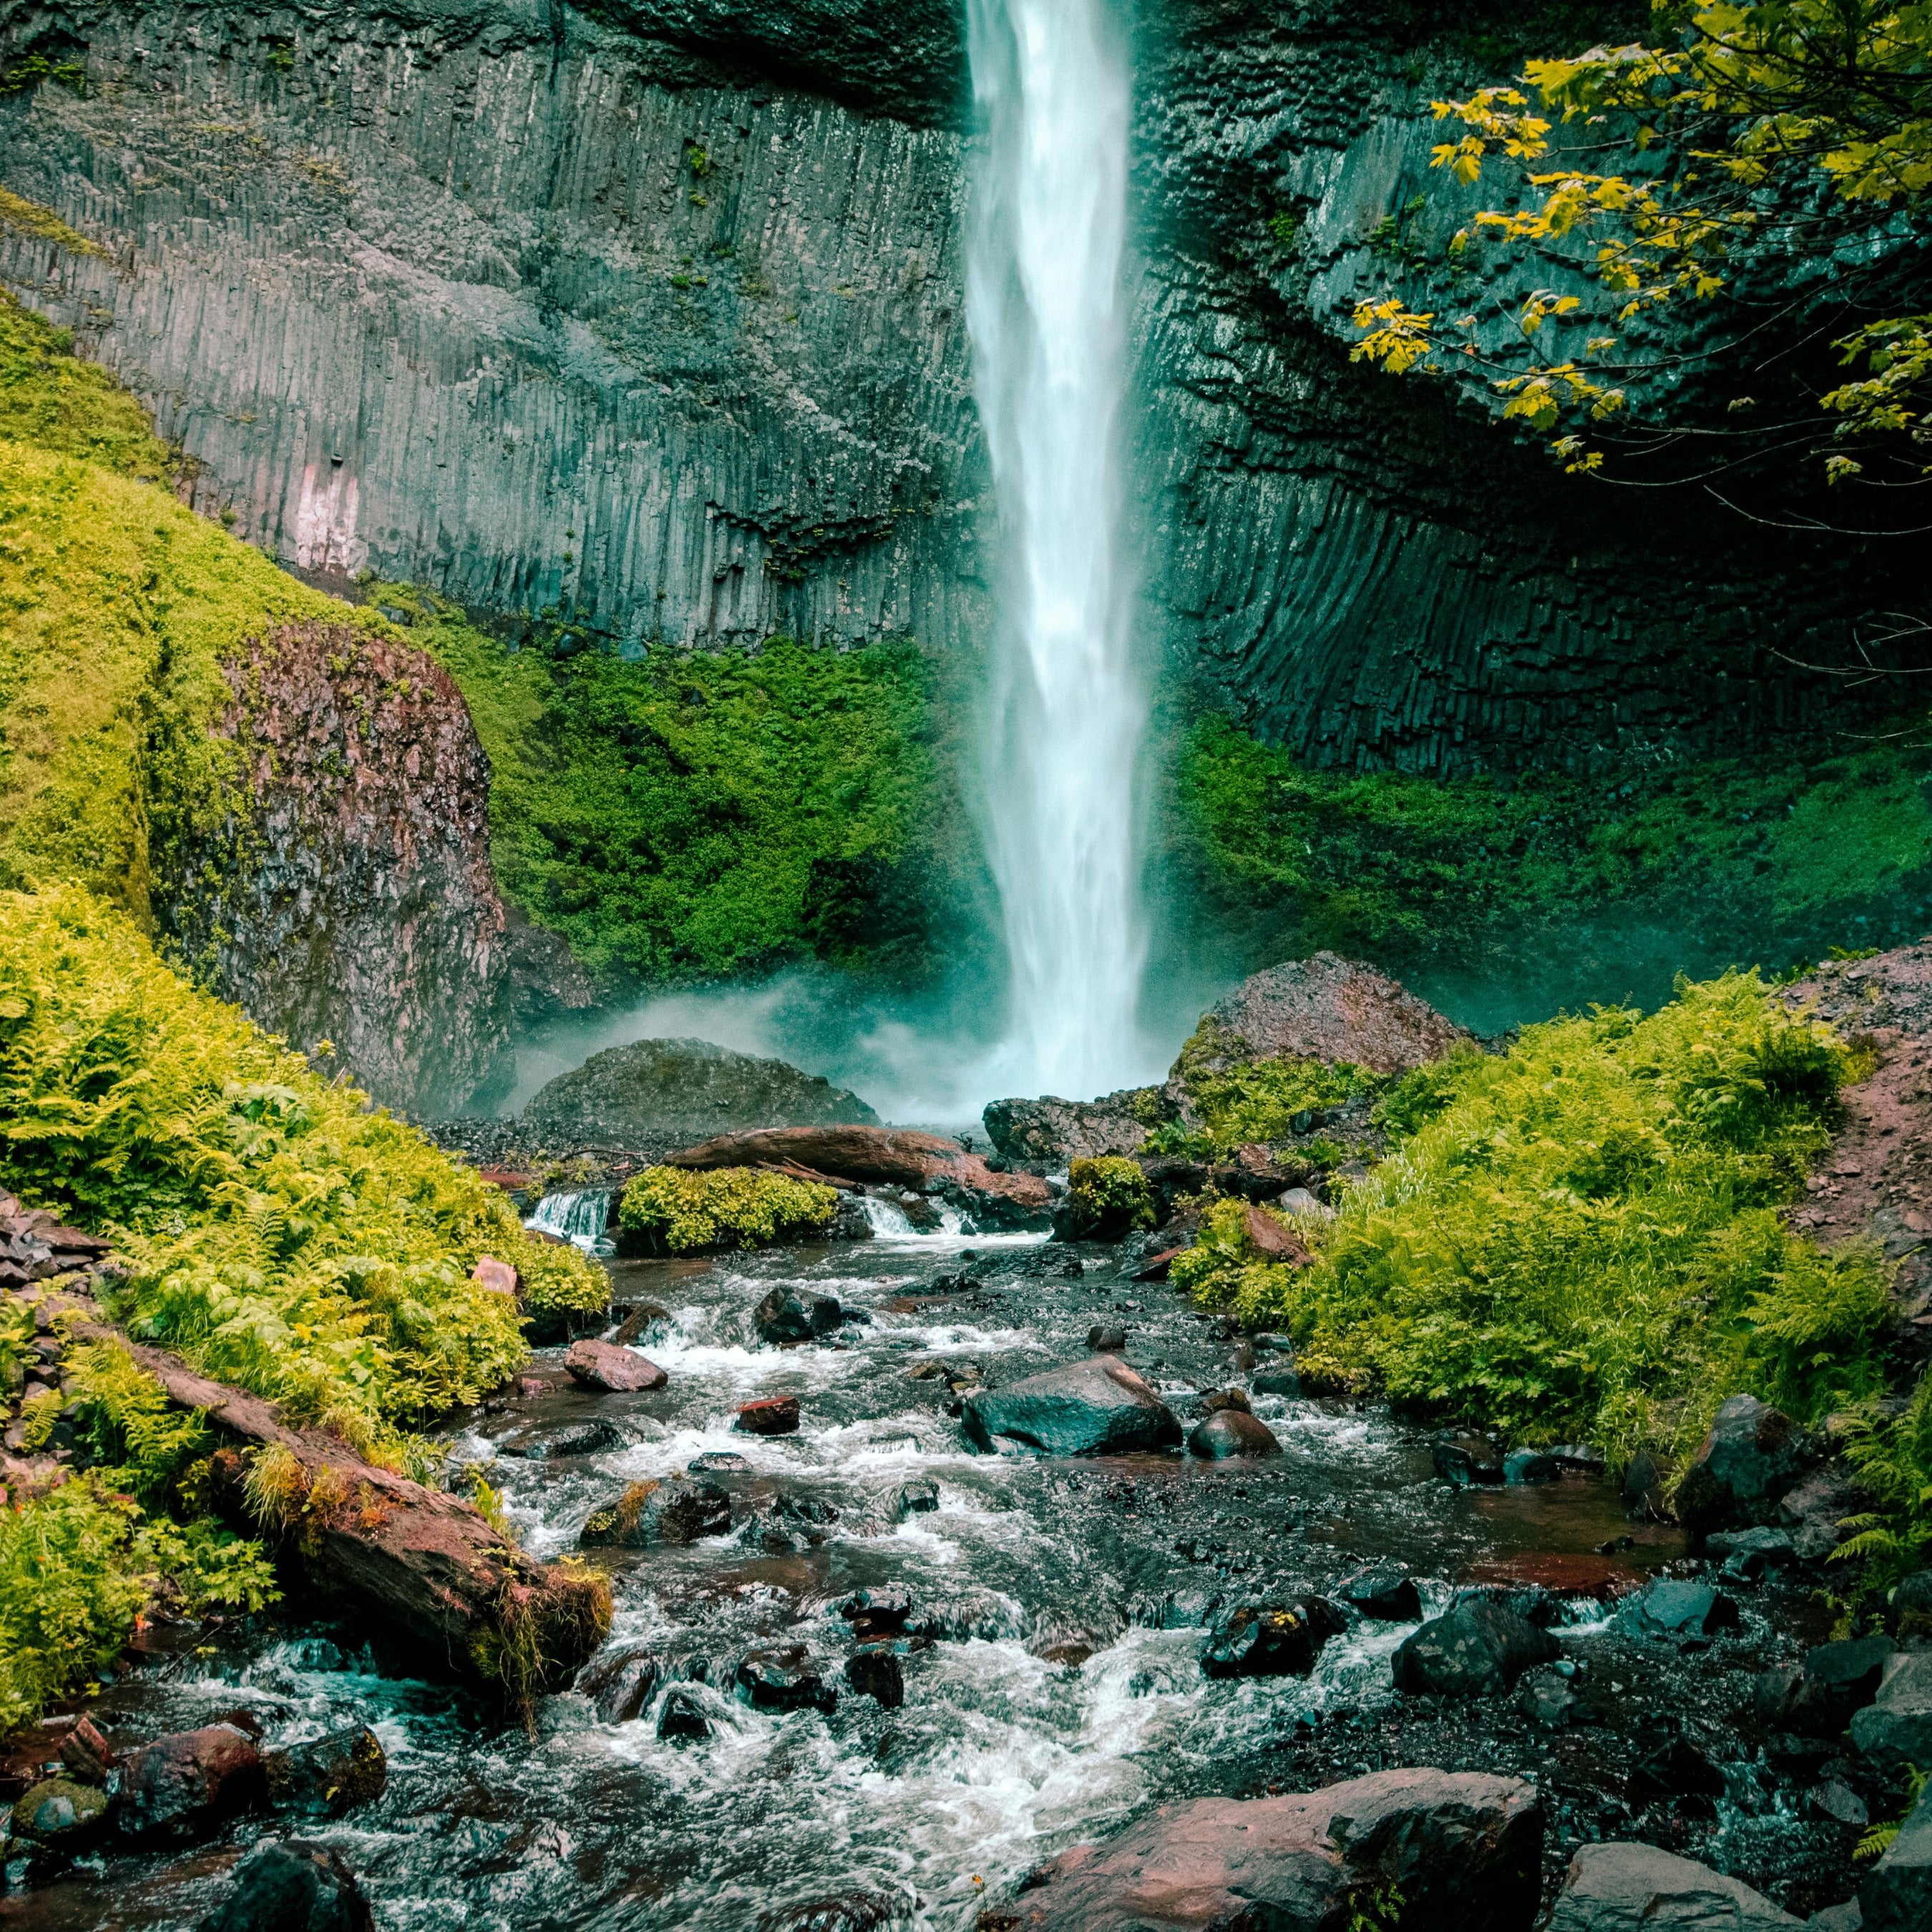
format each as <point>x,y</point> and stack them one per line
<point>1408,869</point>
<point>1580,1237</point>
<point>676,1209</point>
<point>1110,1195</point>
<point>686,816</point>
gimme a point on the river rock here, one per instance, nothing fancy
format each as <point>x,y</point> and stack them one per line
<point>639,1096</point>
<point>545,1441</point>
<point>769,1415</point>
<point>620,1683</point>
<point>636,1320</point>
<point>718,1462</point>
<point>1384,1591</point>
<point>1897,1897</point>
<point>1463,1848</point>
<point>1322,1008</point>
<point>1895,1728</point>
<point>1838,1679</point>
<point>877,1673</point>
<point>1050,1132</point>
<point>683,1720</point>
<point>1466,1460</point>
<point>1106,1339</point>
<point>1232,1432</point>
<point>86,1752</point>
<point>1910,1606</point>
<point>1548,1698</point>
<point>1531,1465</point>
<point>291,1886</point>
<point>1747,1554</point>
<point>920,1497</point>
<point>1270,1640</point>
<point>782,1677</point>
<point>1667,1762</point>
<point>327,1776</point>
<point>1669,1607</point>
<point>611,1369</point>
<point>1476,1648</point>
<point>1814,1509</point>
<point>789,1316</point>
<point>1752,1456</point>
<point>184,1786</point>
<point>1638,1888</point>
<point>62,1814</point>
<point>1096,1407</point>
<point>671,1509</point>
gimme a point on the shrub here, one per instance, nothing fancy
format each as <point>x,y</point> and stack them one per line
<point>1109,1194</point>
<point>1581,1236</point>
<point>281,1236</point>
<point>678,1210</point>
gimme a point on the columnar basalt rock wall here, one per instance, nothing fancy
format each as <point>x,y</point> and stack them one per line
<point>654,314</point>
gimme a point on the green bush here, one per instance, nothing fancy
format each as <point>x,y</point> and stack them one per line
<point>281,1236</point>
<point>1110,1195</point>
<point>678,1210</point>
<point>1581,1236</point>
<point>1262,1100</point>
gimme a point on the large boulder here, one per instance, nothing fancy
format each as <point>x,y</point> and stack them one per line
<point>1050,1130</point>
<point>1898,1895</point>
<point>184,1785</point>
<point>1895,1728</point>
<point>291,1886</point>
<point>1753,1456</point>
<point>658,1089</point>
<point>887,1157</point>
<point>1476,1648</point>
<point>1096,1407</point>
<point>1838,1680</point>
<point>1463,1849</point>
<point>1638,1888</point>
<point>1324,1008</point>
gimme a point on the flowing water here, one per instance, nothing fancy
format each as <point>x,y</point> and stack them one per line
<point>1053,1689</point>
<point>1044,300</point>
<point>581,1217</point>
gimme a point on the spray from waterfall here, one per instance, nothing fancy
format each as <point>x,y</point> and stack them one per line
<point>1045,301</point>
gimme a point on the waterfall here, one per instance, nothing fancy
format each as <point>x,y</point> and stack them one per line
<point>581,1217</point>
<point>1044,300</point>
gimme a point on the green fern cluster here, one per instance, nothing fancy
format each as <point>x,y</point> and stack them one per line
<point>676,1210</point>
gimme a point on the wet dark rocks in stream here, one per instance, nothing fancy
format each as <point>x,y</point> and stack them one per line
<point>1097,1407</point>
<point>608,1368</point>
<point>292,1886</point>
<point>789,1316</point>
<point>1270,1640</point>
<point>670,1510</point>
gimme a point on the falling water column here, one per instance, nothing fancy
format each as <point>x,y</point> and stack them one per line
<point>1044,300</point>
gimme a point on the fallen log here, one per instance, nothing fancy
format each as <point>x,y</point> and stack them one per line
<point>398,1557</point>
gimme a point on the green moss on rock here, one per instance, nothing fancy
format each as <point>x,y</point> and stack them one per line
<point>677,1210</point>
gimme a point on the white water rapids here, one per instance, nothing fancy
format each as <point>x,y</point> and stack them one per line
<point>1044,302</point>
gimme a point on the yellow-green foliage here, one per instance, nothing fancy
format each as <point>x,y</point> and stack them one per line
<point>1111,1192</point>
<point>282,1237</point>
<point>1261,1100</point>
<point>1223,1265</point>
<point>49,398</point>
<point>29,217</point>
<point>1581,1236</point>
<point>727,1206</point>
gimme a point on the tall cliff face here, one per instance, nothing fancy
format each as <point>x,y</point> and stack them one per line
<point>653,315</point>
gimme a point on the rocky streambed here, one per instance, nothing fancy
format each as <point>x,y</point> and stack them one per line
<point>861,1675</point>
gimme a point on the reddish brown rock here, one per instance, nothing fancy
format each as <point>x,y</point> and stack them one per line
<point>499,1277</point>
<point>612,1369</point>
<point>184,1786</point>
<point>1272,1241</point>
<point>770,1415</point>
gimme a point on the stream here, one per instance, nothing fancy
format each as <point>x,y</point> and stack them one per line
<point>1052,1684</point>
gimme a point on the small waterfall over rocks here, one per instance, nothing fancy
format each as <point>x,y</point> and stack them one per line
<point>582,1217</point>
<point>1045,305</point>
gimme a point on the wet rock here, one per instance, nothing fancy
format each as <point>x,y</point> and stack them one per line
<point>1531,1465</point>
<point>544,1441</point>
<point>790,1315</point>
<point>717,1462</point>
<point>1106,1341</point>
<point>621,1683</point>
<point>682,1718</point>
<point>1668,1607</point>
<point>1547,1698</point>
<point>1463,1848</point>
<point>1230,1432</point>
<point>1215,1400</point>
<point>782,1677</point>
<point>1666,1763</point>
<point>1747,1554</point>
<point>87,1754</point>
<point>1837,1801</point>
<point>1270,1640</point>
<point>1585,1457</point>
<point>184,1785</point>
<point>291,1886</point>
<point>770,1415</point>
<point>1838,1680</point>
<point>1477,1648</point>
<point>1466,1460</point>
<point>877,1674</point>
<point>611,1369</point>
<point>845,1912</point>
<point>327,1776</point>
<point>1097,1407</point>
<point>1635,1888</point>
<point>1385,1591</point>
<point>1814,1508</point>
<point>918,1498</point>
<point>672,1510</point>
<point>1752,1456</point>
<point>879,1613</point>
<point>1277,1381</point>
<point>636,1095</point>
<point>638,1320</point>
<point>1898,1895</point>
<point>1645,1481</point>
<point>1895,1728</point>
<point>1846,1918</point>
<point>1050,1132</point>
<point>61,1813</point>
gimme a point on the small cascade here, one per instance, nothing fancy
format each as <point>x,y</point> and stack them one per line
<point>581,1216</point>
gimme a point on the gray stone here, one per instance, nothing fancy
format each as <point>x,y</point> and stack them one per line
<point>1670,1607</point>
<point>1895,1728</point>
<point>1270,1640</point>
<point>1747,1554</point>
<point>1547,1698</point>
<point>1096,1407</point>
<point>1105,1339</point>
<point>621,1683</point>
<point>1897,1897</point>
<point>1838,1679</point>
<point>1846,1918</point>
<point>1531,1465</point>
<point>1230,1433</point>
<point>1276,1381</point>
<point>1477,1648</point>
<point>1050,1132</point>
<point>611,1369</point>
<point>1638,1888</point>
<point>788,1316</point>
<point>1753,1455</point>
<point>1466,1460</point>
<point>1385,1591</point>
<point>291,1886</point>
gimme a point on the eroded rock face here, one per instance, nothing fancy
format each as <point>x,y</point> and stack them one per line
<point>1463,1847</point>
<point>349,897</point>
<point>639,1095</point>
